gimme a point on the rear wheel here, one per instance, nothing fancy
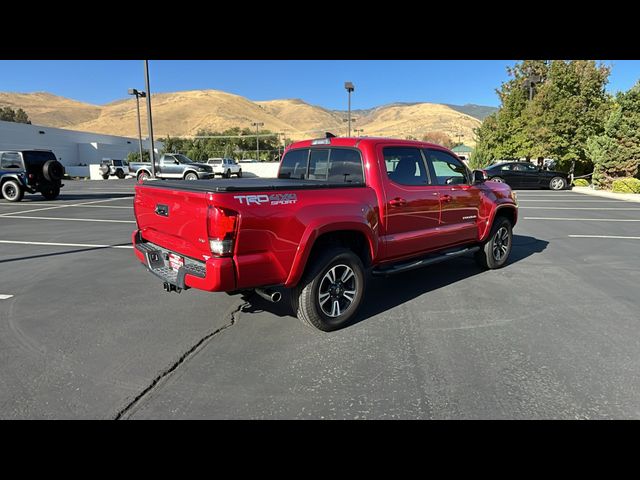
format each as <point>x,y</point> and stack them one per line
<point>330,293</point>
<point>120,174</point>
<point>228,174</point>
<point>240,173</point>
<point>557,183</point>
<point>105,176</point>
<point>495,251</point>
<point>11,191</point>
<point>497,179</point>
<point>142,176</point>
<point>51,193</point>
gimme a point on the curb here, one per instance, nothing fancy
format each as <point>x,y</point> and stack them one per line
<point>629,197</point>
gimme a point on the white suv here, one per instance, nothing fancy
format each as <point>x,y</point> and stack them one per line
<point>225,167</point>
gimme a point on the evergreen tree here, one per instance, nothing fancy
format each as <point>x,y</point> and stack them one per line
<point>616,152</point>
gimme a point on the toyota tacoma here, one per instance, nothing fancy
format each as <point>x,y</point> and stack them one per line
<point>341,209</point>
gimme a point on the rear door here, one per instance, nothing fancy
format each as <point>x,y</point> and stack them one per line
<point>412,205</point>
<point>459,199</point>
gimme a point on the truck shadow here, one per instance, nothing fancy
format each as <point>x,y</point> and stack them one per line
<point>387,293</point>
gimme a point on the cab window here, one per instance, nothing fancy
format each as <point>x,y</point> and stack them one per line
<point>447,169</point>
<point>405,166</point>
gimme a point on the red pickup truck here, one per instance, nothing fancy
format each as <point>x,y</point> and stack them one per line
<point>341,209</point>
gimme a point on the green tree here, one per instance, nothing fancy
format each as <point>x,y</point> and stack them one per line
<point>616,152</point>
<point>8,114</point>
<point>135,156</point>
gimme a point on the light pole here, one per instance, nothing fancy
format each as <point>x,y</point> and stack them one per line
<point>138,94</point>
<point>350,120</point>
<point>356,130</point>
<point>258,125</point>
<point>350,88</point>
<point>152,155</point>
<point>530,81</point>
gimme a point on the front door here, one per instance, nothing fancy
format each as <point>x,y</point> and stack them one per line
<point>412,205</point>
<point>458,197</point>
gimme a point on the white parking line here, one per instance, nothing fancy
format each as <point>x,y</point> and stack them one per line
<point>4,296</point>
<point>604,236</point>
<point>82,204</point>
<point>57,204</point>
<point>585,219</point>
<point>580,208</point>
<point>17,242</point>
<point>68,219</point>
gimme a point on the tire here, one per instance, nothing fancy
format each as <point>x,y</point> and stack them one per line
<point>228,174</point>
<point>494,253</point>
<point>51,193</point>
<point>142,176</point>
<point>120,174</point>
<point>497,179</point>
<point>12,191</point>
<point>240,173</point>
<point>53,170</point>
<point>334,273</point>
<point>191,176</point>
<point>557,183</point>
<point>105,176</point>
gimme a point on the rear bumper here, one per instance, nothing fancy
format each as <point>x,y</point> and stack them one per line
<point>212,275</point>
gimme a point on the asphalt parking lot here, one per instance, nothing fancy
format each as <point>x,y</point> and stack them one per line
<point>86,332</point>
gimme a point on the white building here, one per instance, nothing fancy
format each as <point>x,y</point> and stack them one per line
<point>73,148</point>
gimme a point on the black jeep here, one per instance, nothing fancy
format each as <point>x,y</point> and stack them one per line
<point>30,171</point>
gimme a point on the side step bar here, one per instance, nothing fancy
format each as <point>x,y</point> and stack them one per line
<point>430,260</point>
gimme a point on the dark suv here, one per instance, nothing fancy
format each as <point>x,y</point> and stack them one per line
<point>30,171</point>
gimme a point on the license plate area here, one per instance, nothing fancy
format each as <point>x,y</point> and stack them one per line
<point>176,261</point>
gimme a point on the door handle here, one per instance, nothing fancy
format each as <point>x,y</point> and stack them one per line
<point>447,198</point>
<point>398,202</point>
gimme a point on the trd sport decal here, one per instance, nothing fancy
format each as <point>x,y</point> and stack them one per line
<point>273,199</point>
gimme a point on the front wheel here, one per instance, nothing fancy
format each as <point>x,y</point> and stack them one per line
<point>495,251</point>
<point>105,176</point>
<point>330,293</point>
<point>228,174</point>
<point>557,183</point>
<point>240,173</point>
<point>120,174</point>
<point>11,191</point>
<point>191,176</point>
<point>497,179</point>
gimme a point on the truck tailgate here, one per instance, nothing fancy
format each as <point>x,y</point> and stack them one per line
<point>173,218</point>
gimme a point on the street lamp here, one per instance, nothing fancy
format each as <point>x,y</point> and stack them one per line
<point>152,155</point>
<point>350,120</point>
<point>350,88</point>
<point>138,94</point>
<point>356,130</point>
<point>258,125</point>
<point>530,81</point>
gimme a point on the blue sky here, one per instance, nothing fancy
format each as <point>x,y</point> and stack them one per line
<point>318,82</point>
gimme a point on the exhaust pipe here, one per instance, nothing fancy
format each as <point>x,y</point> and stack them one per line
<point>269,295</point>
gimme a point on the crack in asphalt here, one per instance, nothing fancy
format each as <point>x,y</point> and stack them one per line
<point>184,357</point>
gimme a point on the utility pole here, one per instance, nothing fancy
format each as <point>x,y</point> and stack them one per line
<point>350,88</point>
<point>138,94</point>
<point>258,125</point>
<point>152,155</point>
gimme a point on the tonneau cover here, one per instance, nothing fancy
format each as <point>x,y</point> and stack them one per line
<point>246,184</point>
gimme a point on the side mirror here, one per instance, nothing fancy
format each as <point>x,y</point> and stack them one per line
<point>479,177</point>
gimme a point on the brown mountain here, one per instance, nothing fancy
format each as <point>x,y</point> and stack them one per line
<point>185,113</point>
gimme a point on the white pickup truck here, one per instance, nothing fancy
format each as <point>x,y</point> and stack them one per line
<point>225,167</point>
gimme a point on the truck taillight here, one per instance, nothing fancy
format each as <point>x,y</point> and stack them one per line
<point>221,227</point>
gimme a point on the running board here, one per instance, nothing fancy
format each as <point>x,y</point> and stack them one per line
<point>432,259</point>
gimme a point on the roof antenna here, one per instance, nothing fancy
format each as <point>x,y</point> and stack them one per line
<point>329,135</point>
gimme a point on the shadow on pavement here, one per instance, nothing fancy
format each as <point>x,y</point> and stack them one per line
<point>386,293</point>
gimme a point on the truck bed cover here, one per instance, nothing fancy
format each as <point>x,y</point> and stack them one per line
<point>246,184</point>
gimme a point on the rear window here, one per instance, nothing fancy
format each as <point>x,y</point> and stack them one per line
<point>38,157</point>
<point>336,165</point>
<point>215,162</point>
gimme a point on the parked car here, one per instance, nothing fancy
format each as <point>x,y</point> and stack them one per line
<point>111,167</point>
<point>527,175</point>
<point>324,224</point>
<point>248,160</point>
<point>172,165</point>
<point>30,171</point>
<point>225,167</point>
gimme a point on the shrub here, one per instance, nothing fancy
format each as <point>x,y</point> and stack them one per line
<point>581,182</point>
<point>626,185</point>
